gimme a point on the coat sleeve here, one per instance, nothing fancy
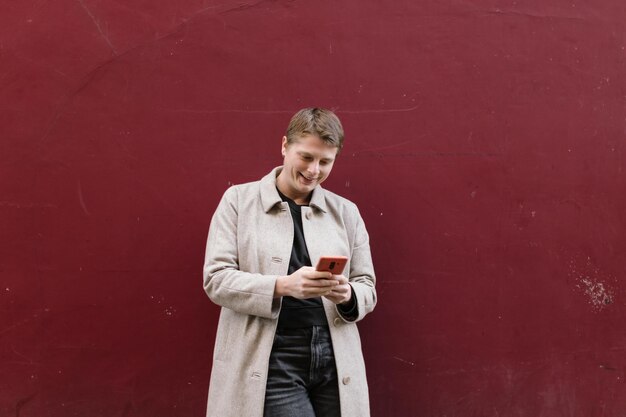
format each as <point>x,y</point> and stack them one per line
<point>224,283</point>
<point>362,277</point>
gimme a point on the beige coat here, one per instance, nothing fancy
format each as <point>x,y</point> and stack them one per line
<point>248,247</point>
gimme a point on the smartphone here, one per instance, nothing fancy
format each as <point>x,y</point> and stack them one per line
<point>332,264</point>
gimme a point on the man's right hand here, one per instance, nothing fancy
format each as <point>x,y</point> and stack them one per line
<point>306,282</point>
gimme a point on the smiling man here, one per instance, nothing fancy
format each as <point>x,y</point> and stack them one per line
<point>287,343</point>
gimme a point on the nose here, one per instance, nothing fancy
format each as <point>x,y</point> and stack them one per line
<point>314,168</point>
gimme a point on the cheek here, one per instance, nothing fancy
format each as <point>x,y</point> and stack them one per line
<point>298,166</point>
<point>293,163</point>
<point>326,171</point>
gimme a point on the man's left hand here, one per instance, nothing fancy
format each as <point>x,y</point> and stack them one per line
<point>341,293</point>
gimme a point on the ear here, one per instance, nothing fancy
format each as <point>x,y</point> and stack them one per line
<point>284,145</point>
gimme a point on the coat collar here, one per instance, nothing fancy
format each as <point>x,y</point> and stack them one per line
<point>270,197</point>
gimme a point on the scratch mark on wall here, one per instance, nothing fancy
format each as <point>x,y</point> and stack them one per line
<point>40,64</point>
<point>219,111</point>
<point>35,316</point>
<point>366,111</point>
<point>20,205</point>
<point>217,10</point>
<point>82,200</point>
<point>253,111</point>
<point>65,101</point>
<point>404,361</point>
<point>120,141</point>
<point>97,23</point>
<point>243,6</point>
<point>382,148</point>
<point>15,325</point>
<point>21,403</point>
<point>21,355</point>
<point>431,154</point>
<point>531,15</point>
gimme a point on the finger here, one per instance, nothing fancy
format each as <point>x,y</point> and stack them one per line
<point>322,283</point>
<point>338,296</point>
<point>319,275</point>
<point>341,290</point>
<point>330,295</point>
<point>341,279</point>
<point>336,299</point>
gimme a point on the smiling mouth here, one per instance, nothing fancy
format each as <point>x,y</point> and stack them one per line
<point>307,178</point>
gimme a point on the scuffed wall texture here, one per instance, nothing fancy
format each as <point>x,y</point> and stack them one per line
<point>485,148</point>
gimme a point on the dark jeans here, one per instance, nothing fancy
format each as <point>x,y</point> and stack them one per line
<point>302,378</point>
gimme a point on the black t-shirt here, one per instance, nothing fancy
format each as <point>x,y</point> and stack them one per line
<point>296,313</point>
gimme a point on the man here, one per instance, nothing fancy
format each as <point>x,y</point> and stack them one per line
<point>287,343</point>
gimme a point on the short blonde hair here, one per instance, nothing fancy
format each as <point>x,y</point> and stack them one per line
<point>322,123</point>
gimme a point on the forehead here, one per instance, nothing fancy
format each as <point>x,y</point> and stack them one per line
<point>312,144</point>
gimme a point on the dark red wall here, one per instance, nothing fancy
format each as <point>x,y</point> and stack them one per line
<point>485,147</point>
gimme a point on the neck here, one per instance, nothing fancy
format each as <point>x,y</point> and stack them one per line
<point>286,191</point>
